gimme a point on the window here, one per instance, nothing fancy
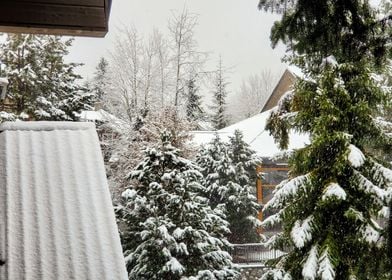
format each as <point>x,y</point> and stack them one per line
<point>271,175</point>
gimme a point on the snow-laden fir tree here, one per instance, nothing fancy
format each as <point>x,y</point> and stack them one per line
<point>230,176</point>
<point>219,115</point>
<point>194,109</point>
<point>128,150</point>
<point>243,216</point>
<point>168,229</point>
<point>337,189</point>
<point>42,86</point>
<point>278,6</point>
<point>101,79</point>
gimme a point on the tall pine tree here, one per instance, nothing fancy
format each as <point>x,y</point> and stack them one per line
<point>194,110</point>
<point>219,117</point>
<point>243,216</point>
<point>337,186</point>
<point>169,231</point>
<point>42,86</point>
<point>101,79</point>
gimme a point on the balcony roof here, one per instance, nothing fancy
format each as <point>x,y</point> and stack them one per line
<point>56,17</point>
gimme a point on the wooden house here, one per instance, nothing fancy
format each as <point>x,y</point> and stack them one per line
<point>273,170</point>
<point>285,84</point>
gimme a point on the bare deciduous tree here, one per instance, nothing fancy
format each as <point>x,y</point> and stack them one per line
<point>163,59</point>
<point>252,95</point>
<point>126,70</point>
<point>149,73</point>
<point>185,57</point>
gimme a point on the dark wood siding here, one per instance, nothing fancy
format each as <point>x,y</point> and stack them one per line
<point>65,17</point>
<point>285,83</point>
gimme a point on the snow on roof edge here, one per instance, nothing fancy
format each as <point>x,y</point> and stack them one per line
<point>296,71</point>
<point>45,126</point>
<point>233,127</point>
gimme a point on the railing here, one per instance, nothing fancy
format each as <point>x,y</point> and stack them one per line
<point>253,253</point>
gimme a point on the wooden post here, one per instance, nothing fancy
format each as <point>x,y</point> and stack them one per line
<point>259,194</point>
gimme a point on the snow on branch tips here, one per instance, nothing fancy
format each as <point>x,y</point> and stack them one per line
<point>309,271</point>
<point>287,189</point>
<point>330,60</point>
<point>384,212</point>
<point>272,220</point>
<point>371,232</point>
<point>326,270</point>
<point>354,214</point>
<point>381,174</point>
<point>355,156</point>
<point>301,232</point>
<point>334,190</point>
<point>368,187</point>
<point>276,274</point>
<point>382,124</point>
<point>174,266</point>
<point>284,103</point>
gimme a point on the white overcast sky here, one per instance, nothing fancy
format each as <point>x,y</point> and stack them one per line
<point>236,29</point>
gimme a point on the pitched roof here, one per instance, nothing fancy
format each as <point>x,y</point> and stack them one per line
<point>56,215</point>
<point>285,83</point>
<point>255,135</point>
<point>102,116</point>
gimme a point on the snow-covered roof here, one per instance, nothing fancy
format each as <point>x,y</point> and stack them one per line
<point>255,135</point>
<point>296,71</point>
<point>104,117</point>
<point>91,116</point>
<point>56,215</point>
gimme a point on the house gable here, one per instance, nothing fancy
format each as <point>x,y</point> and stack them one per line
<point>285,83</point>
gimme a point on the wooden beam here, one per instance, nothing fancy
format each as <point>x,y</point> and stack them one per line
<point>83,3</point>
<point>58,17</point>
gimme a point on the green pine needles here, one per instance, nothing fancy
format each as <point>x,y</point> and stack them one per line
<point>229,171</point>
<point>167,228</point>
<point>42,86</point>
<point>329,208</point>
<point>333,205</point>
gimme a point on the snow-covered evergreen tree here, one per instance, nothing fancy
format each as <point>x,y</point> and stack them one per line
<point>230,176</point>
<point>278,6</point>
<point>168,229</point>
<point>337,188</point>
<point>42,86</point>
<point>128,151</point>
<point>101,79</point>
<point>243,217</point>
<point>219,116</point>
<point>194,109</point>
<point>217,169</point>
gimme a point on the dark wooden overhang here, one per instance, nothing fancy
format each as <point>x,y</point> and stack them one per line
<point>56,17</point>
